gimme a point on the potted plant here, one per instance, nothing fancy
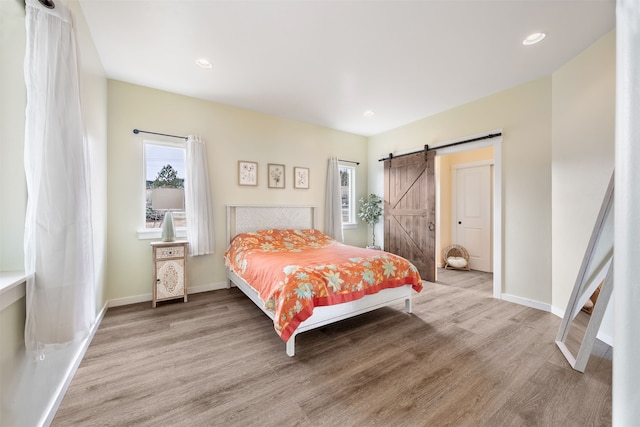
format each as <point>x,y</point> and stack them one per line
<point>370,212</point>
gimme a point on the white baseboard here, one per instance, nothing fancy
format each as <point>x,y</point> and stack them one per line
<point>526,302</point>
<point>117,302</point>
<point>208,287</point>
<point>558,312</point>
<point>605,338</point>
<point>147,297</point>
<point>50,412</point>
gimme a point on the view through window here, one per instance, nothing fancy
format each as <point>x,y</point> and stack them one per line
<point>348,194</point>
<point>164,183</point>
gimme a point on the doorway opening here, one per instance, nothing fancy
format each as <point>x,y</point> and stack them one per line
<point>447,162</point>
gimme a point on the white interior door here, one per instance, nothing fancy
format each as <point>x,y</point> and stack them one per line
<point>472,213</point>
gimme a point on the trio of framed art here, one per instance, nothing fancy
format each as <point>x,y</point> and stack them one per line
<point>248,175</point>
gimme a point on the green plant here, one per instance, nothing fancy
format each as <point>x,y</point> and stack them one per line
<point>370,212</point>
<point>168,177</point>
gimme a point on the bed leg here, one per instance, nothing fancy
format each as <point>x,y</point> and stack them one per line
<point>408,306</point>
<point>291,346</point>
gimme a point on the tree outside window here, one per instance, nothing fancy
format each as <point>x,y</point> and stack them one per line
<point>164,168</point>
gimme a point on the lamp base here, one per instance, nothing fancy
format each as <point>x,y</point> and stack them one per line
<point>168,229</point>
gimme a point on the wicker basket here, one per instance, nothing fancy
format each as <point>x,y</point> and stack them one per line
<point>455,251</point>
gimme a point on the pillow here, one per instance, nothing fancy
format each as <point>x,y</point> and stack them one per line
<point>457,262</point>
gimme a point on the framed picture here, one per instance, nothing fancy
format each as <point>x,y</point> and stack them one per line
<point>275,175</point>
<point>247,173</point>
<point>300,177</point>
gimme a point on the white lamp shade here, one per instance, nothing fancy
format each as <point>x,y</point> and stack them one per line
<point>167,198</point>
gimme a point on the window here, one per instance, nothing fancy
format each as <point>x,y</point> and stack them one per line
<point>164,173</point>
<point>348,195</point>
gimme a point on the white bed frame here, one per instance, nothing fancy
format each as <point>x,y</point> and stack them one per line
<point>246,218</point>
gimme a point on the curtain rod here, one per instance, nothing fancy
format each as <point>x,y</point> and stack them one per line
<point>137,131</point>
<point>427,148</point>
<point>348,161</point>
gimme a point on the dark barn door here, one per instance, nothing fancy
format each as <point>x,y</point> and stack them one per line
<point>410,210</point>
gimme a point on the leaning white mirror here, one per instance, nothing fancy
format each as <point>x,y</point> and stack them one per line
<point>591,291</point>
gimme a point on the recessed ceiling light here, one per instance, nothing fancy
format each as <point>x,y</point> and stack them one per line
<point>533,38</point>
<point>368,113</point>
<point>204,63</point>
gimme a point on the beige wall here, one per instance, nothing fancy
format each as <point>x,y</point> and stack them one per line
<point>583,156</point>
<point>524,115</point>
<point>13,102</point>
<point>93,94</point>
<point>14,193</point>
<point>231,134</point>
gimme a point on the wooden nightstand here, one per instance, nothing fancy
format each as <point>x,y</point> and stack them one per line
<point>169,270</point>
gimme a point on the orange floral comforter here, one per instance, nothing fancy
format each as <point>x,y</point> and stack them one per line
<point>294,271</point>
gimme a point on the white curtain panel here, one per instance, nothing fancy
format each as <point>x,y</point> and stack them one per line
<point>58,246</point>
<point>626,353</point>
<point>333,202</point>
<point>197,198</point>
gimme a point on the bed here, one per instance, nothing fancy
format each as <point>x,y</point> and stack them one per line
<point>303,279</point>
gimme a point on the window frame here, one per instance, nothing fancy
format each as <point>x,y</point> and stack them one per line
<point>353,215</point>
<point>145,233</point>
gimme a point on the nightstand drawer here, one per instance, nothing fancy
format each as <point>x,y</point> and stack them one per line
<point>170,252</point>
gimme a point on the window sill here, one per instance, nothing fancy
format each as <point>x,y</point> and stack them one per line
<point>156,233</point>
<point>12,287</point>
<point>349,226</point>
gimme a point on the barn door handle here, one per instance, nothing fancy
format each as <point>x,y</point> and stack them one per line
<point>432,226</point>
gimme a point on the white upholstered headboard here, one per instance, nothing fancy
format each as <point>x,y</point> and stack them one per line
<point>246,218</point>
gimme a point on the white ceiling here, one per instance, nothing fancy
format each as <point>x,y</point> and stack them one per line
<point>326,62</point>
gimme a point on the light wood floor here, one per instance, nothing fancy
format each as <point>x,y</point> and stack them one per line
<point>462,359</point>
